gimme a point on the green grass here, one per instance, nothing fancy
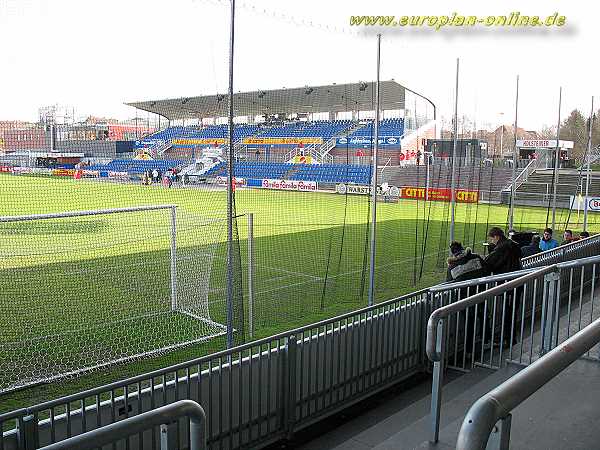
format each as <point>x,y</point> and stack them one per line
<point>81,281</point>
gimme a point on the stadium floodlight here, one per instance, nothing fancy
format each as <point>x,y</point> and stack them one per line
<point>308,90</point>
<point>96,288</point>
<point>261,94</point>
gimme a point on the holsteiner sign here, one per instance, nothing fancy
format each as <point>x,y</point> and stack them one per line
<point>543,143</point>
<point>443,194</point>
<point>289,185</point>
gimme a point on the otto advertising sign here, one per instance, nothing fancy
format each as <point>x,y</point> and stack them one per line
<point>290,185</point>
<point>441,195</point>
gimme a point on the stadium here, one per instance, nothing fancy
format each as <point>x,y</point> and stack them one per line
<point>275,257</point>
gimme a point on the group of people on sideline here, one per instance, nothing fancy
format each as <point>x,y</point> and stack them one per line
<point>546,242</point>
<point>504,254</point>
<point>464,264</point>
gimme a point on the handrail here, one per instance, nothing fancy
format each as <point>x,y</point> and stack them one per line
<point>432,325</point>
<point>137,424</point>
<point>561,248</point>
<point>200,360</point>
<point>499,402</point>
<point>443,287</point>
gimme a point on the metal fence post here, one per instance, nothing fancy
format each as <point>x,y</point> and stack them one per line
<point>549,312</point>
<point>500,437</point>
<point>27,433</point>
<point>290,386</point>
<point>438,381</point>
<point>167,436</point>
<point>173,258</point>
<point>251,275</point>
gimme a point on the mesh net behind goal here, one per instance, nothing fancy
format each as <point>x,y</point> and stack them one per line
<point>83,292</point>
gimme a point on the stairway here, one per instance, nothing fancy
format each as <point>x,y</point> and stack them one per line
<point>559,416</point>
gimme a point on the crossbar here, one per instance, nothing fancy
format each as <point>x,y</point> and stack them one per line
<point>96,212</point>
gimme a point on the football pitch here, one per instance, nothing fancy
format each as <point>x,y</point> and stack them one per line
<point>102,283</point>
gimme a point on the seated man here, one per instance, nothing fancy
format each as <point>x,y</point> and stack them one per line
<point>464,264</point>
<point>547,243</point>
<point>506,256</point>
<point>584,235</point>
<point>568,238</point>
<point>532,248</point>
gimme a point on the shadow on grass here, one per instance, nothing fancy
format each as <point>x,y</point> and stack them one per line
<point>299,278</point>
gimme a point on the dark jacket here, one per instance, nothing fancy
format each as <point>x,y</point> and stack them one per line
<point>506,257</point>
<point>465,266</point>
<point>530,250</point>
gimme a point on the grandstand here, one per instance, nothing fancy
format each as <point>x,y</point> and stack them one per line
<point>291,119</point>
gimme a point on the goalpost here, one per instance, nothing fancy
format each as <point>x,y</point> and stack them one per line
<point>83,290</point>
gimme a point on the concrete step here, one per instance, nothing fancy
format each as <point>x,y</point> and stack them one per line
<point>562,415</point>
<point>402,422</point>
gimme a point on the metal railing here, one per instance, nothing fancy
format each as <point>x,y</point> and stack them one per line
<point>492,412</point>
<point>531,167</point>
<point>266,390</point>
<point>516,317</point>
<point>437,331</point>
<point>254,394</point>
<point>578,249</point>
<point>162,417</point>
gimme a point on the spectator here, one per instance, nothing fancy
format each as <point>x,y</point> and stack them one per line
<point>154,176</point>
<point>506,256</point>
<point>584,235</point>
<point>464,264</point>
<point>547,243</point>
<point>568,237</point>
<point>532,248</point>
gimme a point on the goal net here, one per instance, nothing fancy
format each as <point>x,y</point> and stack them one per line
<point>83,290</point>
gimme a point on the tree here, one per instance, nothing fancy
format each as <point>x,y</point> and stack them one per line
<point>574,128</point>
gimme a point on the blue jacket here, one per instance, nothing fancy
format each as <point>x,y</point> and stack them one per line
<point>548,245</point>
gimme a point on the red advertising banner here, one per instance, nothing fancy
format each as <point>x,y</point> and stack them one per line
<point>439,195</point>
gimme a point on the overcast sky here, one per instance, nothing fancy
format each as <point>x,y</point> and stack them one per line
<point>96,55</point>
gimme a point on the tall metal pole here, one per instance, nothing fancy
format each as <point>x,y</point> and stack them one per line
<point>251,275</point>
<point>453,185</point>
<point>587,169</point>
<point>371,299</point>
<point>556,161</point>
<point>513,191</point>
<point>230,179</point>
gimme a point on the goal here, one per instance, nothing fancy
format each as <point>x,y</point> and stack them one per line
<point>87,289</point>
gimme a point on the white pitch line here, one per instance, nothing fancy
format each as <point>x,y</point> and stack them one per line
<point>344,274</point>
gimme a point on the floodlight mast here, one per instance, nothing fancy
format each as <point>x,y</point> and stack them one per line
<point>556,161</point>
<point>371,298</point>
<point>230,181</point>
<point>513,190</point>
<point>454,148</point>
<point>587,170</point>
